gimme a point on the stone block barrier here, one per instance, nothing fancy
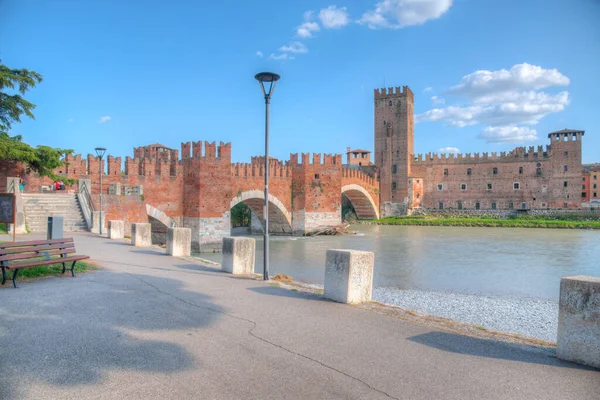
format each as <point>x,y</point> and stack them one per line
<point>179,242</point>
<point>349,276</point>
<point>579,320</point>
<point>116,229</point>
<point>98,218</point>
<point>238,255</point>
<point>141,235</point>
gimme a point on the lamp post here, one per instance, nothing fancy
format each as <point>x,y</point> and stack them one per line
<point>100,153</point>
<point>271,79</point>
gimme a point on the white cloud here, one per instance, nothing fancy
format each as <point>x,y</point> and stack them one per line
<point>519,77</point>
<point>508,134</point>
<point>104,119</point>
<point>306,29</point>
<point>437,100</point>
<point>333,17</point>
<point>259,53</point>
<point>294,47</point>
<point>396,14</point>
<point>428,89</point>
<point>504,100</point>
<point>284,56</point>
<point>454,150</point>
<point>70,120</point>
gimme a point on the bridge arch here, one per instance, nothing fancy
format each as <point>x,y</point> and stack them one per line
<point>362,201</point>
<point>280,219</point>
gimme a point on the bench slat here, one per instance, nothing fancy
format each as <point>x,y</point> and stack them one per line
<point>30,255</point>
<point>27,249</point>
<point>35,242</point>
<point>46,262</point>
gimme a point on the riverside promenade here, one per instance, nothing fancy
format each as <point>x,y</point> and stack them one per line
<point>147,325</point>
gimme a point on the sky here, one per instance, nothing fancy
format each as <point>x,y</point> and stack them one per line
<point>487,75</point>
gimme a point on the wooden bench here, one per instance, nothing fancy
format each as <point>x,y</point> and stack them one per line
<point>18,255</point>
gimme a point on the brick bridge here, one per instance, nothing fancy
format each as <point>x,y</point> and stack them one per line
<point>198,189</point>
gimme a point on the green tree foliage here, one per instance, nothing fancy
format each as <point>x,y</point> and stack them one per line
<point>12,107</point>
<point>41,159</point>
<point>240,215</point>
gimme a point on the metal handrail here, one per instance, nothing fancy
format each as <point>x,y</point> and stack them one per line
<point>87,197</point>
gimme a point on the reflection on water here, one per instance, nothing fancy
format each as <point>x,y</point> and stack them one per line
<point>491,261</point>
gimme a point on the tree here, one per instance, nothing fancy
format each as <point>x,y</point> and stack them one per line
<point>41,159</point>
<point>12,107</point>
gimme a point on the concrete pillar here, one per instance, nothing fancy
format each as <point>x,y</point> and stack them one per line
<point>238,255</point>
<point>96,221</point>
<point>141,235</point>
<point>179,242</point>
<point>116,229</point>
<point>349,276</point>
<point>579,320</point>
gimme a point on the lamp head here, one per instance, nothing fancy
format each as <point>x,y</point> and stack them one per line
<point>271,79</point>
<point>100,151</point>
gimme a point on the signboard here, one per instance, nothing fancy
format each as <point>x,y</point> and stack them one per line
<point>7,208</point>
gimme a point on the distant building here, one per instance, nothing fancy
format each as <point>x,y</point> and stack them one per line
<point>358,157</point>
<point>590,183</point>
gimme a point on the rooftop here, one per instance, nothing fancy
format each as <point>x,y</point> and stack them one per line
<point>358,151</point>
<point>563,131</point>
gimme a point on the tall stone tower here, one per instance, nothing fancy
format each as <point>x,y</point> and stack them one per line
<point>394,146</point>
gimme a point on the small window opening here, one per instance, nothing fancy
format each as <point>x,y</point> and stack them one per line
<point>463,186</point>
<point>516,185</point>
<point>566,153</point>
<point>440,186</point>
<point>565,168</point>
<point>523,205</point>
<point>468,171</point>
<point>489,186</point>
<point>493,206</point>
<point>393,185</point>
<point>477,205</point>
<point>565,184</point>
<point>511,205</point>
<point>441,205</point>
<point>316,176</point>
<point>446,171</point>
<point>390,103</point>
<point>520,170</point>
<point>459,205</point>
<point>394,168</point>
<point>495,171</point>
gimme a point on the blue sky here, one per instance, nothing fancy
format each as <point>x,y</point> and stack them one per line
<point>121,74</point>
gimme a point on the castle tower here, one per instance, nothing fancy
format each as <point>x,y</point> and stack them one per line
<point>394,145</point>
<point>565,156</point>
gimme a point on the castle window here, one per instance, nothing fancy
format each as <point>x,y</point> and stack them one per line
<point>489,186</point>
<point>583,195</point>
<point>595,185</point>
<point>565,138</point>
<point>394,168</point>
<point>511,205</point>
<point>594,177</point>
<point>459,205</point>
<point>557,138</point>
<point>477,205</point>
<point>583,187</point>
<point>493,206</point>
<point>441,205</point>
<point>539,171</point>
<point>390,103</point>
<point>516,185</point>
<point>316,176</point>
<point>495,171</point>
<point>594,194</point>
<point>468,171</point>
<point>393,185</point>
<point>520,170</point>
<point>446,171</point>
<point>463,186</point>
<point>523,206</point>
<point>543,205</point>
<point>566,153</point>
<point>574,137</point>
<point>440,186</point>
<point>565,184</point>
<point>565,168</point>
<point>566,205</point>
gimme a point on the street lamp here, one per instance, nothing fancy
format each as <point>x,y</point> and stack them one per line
<point>271,79</point>
<point>100,153</point>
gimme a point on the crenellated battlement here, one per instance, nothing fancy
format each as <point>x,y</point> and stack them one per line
<point>398,91</point>
<point>355,173</point>
<point>518,154</point>
<point>211,151</point>
<point>317,159</point>
<point>255,169</point>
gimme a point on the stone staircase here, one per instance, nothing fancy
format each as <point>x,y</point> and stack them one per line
<point>39,206</point>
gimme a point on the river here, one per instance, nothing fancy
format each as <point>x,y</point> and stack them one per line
<point>506,262</point>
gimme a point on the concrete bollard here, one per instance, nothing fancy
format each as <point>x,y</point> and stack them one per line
<point>349,276</point>
<point>96,221</point>
<point>141,235</point>
<point>579,320</point>
<point>179,242</point>
<point>238,255</point>
<point>116,229</point>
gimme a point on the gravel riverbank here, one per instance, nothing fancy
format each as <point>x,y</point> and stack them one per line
<point>533,318</point>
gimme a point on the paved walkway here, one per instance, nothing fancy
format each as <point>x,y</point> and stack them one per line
<point>151,326</point>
